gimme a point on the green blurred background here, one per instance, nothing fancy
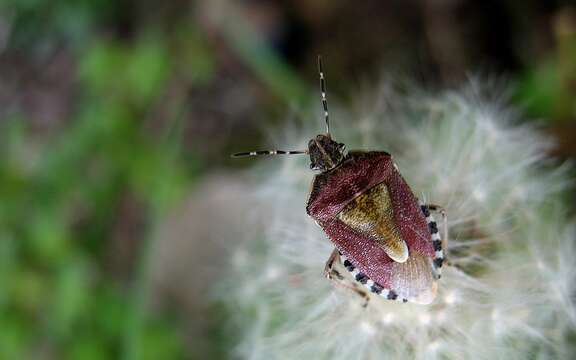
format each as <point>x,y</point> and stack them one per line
<point>112,111</point>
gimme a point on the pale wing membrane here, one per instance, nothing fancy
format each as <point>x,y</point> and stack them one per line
<point>371,214</point>
<point>413,279</point>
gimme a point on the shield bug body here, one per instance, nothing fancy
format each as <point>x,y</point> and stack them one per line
<point>387,241</point>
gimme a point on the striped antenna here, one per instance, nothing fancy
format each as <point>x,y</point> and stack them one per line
<point>323,91</point>
<point>267,152</point>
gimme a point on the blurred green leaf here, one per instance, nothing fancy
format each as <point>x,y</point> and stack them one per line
<point>38,22</point>
<point>49,238</point>
<point>29,290</point>
<point>70,297</point>
<point>87,348</point>
<point>539,89</point>
<point>8,260</point>
<point>118,71</point>
<point>158,176</point>
<point>147,69</point>
<point>110,312</point>
<point>547,90</point>
<point>62,194</point>
<point>13,337</point>
<point>160,342</point>
<point>100,66</point>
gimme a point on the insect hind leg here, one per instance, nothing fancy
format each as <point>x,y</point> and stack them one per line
<point>339,280</point>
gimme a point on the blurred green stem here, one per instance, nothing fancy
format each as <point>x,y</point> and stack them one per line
<point>252,48</point>
<point>565,31</point>
<point>133,334</point>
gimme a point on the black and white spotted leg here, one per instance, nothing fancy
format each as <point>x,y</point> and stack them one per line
<point>438,242</point>
<point>442,211</point>
<point>339,280</point>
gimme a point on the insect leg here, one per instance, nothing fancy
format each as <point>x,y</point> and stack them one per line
<point>442,211</point>
<point>338,279</point>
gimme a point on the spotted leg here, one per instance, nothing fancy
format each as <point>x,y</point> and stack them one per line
<point>442,211</point>
<point>444,240</point>
<point>338,279</point>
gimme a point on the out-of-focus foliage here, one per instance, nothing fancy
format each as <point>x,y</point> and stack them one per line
<point>144,90</point>
<point>51,22</point>
<point>63,196</point>
<point>548,88</point>
<point>61,200</point>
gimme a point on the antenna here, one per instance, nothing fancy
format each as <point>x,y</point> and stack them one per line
<point>323,91</point>
<point>268,152</point>
<point>296,152</point>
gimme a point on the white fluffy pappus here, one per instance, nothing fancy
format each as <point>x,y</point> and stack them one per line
<point>509,290</point>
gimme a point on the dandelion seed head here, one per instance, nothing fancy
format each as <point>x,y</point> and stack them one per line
<point>367,328</point>
<point>451,298</point>
<point>434,346</point>
<point>479,194</point>
<point>512,277</point>
<point>388,318</point>
<point>425,319</point>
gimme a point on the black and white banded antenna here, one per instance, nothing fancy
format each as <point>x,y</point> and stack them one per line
<point>323,92</point>
<point>297,152</point>
<point>268,152</point>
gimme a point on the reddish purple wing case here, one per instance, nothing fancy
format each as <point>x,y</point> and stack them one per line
<point>333,190</point>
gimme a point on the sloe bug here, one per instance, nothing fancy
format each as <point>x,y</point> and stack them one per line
<point>383,236</point>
